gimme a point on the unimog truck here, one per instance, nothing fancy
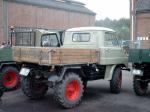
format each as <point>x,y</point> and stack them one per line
<point>9,69</point>
<point>139,56</point>
<point>87,54</point>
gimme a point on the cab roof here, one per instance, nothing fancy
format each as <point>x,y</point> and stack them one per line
<point>45,31</point>
<point>90,29</point>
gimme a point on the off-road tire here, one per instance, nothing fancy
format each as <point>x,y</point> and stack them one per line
<point>140,88</point>
<point>61,88</point>
<point>116,81</point>
<point>1,93</point>
<point>33,90</point>
<point>10,78</point>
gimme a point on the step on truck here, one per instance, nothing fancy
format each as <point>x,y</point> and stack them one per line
<point>139,56</point>
<point>9,69</point>
<point>87,54</point>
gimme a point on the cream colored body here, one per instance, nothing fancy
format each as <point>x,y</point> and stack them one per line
<point>108,55</point>
<point>103,54</point>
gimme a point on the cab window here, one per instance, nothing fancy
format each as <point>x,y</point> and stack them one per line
<point>110,39</point>
<point>25,38</point>
<point>81,37</point>
<point>50,40</point>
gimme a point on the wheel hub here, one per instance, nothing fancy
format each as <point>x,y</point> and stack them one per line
<point>10,79</point>
<point>72,90</point>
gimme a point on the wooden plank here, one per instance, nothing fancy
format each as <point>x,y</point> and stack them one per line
<point>70,56</point>
<point>16,54</point>
<point>59,56</point>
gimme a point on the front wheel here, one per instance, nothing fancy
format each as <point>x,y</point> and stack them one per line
<point>116,81</point>
<point>32,89</point>
<point>140,88</point>
<point>69,92</point>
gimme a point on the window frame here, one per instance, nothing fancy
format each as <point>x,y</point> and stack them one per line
<point>114,38</point>
<point>49,37</point>
<point>81,41</point>
<point>21,39</point>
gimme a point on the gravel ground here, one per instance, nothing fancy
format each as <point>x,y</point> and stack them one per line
<point>97,98</point>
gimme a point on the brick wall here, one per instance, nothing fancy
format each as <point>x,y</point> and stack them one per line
<point>143,25</point>
<point>141,22</point>
<point>143,29</point>
<point>31,16</point>
<point>21,15</point>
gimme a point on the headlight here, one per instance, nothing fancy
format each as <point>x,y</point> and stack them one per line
<point>137,72</point>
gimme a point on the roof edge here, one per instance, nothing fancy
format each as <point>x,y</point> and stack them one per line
<point>88,11</point>
<point>90,28</point>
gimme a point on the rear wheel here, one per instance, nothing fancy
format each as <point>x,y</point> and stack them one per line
<point>69,91</point>
<point>116,81</point>
<point>140,88</point>
<point>9,78</point>
<point>32,89</point>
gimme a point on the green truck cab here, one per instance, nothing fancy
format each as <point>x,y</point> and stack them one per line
<point>6,54</point>
<point>140,59</point>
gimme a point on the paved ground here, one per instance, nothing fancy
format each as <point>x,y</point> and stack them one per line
<point>96,99</point>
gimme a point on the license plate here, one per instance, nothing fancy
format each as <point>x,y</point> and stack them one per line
<point>137,72</point>
<point>24,71</point>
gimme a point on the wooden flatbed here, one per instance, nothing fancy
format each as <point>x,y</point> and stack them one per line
<point>54,56</point>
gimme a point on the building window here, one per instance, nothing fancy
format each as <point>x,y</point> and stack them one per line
<point>81,37</point>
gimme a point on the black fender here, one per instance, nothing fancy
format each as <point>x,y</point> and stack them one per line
<point>9,63</point>
<point>57,78</point>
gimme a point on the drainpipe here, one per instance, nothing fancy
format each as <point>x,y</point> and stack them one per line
<point>132,20</point>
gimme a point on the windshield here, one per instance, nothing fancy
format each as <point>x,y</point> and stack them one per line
<point>50,40</point>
